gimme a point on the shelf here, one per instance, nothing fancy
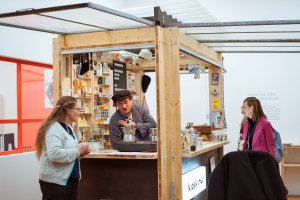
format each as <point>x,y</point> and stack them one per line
<point>85,114</point>
<point>97,76</point>
<point>292,165</point>
<point>84,97</point>
<point>293,197</point>
<point>84,78</point>
<point>104,84</point>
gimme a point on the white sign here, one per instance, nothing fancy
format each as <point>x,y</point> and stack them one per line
<point>193,182</point>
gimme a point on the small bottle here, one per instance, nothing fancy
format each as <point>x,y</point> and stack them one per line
<point>102,121</point>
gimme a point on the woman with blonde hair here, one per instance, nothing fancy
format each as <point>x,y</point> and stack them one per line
<point>58,152</point>
<point>257,131</point>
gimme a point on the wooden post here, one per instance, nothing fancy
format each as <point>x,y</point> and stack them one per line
<point>168,111</point>
<point>55,71</point>
<point>219,95</point>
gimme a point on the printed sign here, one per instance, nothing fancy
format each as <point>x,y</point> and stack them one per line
<point>215,79</point>
<point>119,76</point>
<point>193,182</point>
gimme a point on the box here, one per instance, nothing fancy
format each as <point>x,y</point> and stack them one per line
<point>216,119</point>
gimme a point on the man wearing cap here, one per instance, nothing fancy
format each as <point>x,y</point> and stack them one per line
<point>132,113</point>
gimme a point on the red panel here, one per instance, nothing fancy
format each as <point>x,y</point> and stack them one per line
<point>29,131</point>
<point>33,93</point>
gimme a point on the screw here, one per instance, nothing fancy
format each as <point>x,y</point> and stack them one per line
<point>144,156</point>
<point>53,51</point>
<point>175,42</point>
<point>165,158</point>
<point>173,157</point>
<point>170,29</point>
<point>165,42</point>
<point>151,29</point>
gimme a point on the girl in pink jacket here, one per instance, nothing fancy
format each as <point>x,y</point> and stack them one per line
<point>258,132</point>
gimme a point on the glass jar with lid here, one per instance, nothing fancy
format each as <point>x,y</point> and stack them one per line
<point>193,138</point>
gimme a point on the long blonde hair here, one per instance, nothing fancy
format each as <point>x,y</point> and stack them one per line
<point>258,112</point>
<point>58,114</point>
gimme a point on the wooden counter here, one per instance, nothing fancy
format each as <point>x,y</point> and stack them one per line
<point>114,154</point>
<point>207,146</point>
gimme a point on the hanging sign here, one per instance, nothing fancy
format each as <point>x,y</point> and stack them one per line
<point>193,182</point>
<point>215,79</point>
<point>119,76</point>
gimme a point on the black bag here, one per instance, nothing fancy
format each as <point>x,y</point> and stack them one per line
<point>84,66</point>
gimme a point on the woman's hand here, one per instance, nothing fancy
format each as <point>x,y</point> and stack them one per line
<point>241,146</point>
<point>84,148</point>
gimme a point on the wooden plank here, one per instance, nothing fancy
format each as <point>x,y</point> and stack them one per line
<point>168,110</point>
<point>219,95</point>
<point>118,38</point>
<point>195,46</point>
<point>56,75</point>
<point>206,147</point>
<point>184,60</point>
<point>114,154</point>
<point>106,45</point>
<point>293,197</point>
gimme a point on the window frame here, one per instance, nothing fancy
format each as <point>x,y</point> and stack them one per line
<point>19,121</point>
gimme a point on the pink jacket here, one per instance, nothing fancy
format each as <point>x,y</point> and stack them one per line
<point>263,139</point>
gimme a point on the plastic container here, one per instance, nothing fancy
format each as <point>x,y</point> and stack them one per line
<point>199,143</point>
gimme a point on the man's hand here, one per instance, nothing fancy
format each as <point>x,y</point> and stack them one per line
<point>125,121</point>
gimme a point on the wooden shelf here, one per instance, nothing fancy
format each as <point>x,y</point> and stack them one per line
<point>293,197</point>
<point>85,114</point>
<point>104,84</point>
<point>84,97</point>
<point>291,165</point>
<point>84,78</point>
<point>103,74</point>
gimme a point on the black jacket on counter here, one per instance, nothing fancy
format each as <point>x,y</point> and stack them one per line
<point>246,175</point>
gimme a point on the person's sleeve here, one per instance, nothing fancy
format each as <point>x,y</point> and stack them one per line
<point>269,131</point>
<point>54,141</point>
<point>148,122</point>
<point>115,133</point>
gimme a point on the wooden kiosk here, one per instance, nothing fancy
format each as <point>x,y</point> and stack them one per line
<point>169,43</point>
<point>92,28</point>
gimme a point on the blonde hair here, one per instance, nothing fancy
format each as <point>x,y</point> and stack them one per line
<point>58,114</point>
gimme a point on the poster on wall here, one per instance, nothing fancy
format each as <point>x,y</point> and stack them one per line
<point>215,79</point>
<point>48,81</point>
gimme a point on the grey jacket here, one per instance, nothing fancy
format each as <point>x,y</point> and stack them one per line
<point>59,155</point>
<point>141,116</point>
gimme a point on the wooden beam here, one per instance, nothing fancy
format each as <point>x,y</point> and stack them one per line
<point>184,60</point>
<point>195,46</point>
<point>55,71</point>
<point>168,111</point>
<point>140,35</point>
<point>219,95</point>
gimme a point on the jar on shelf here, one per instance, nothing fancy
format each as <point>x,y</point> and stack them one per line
<point>193,138</point>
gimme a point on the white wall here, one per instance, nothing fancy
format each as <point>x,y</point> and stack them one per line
<point>19,177</point>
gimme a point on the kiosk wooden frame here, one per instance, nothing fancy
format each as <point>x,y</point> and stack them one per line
<point>168,43</point>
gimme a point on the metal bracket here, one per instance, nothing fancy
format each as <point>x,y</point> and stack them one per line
<point>165,158</point>
<point>161,18</point>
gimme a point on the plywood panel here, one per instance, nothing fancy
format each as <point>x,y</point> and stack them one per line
<point>56,76</point>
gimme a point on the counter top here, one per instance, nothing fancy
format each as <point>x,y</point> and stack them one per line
<point>207,146</point>
<point>114,154</point>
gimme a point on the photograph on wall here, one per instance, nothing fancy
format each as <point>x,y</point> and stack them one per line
<point>48,80</point>
<point>215,79</point>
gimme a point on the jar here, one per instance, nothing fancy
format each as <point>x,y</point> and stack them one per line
<point>185,131</point>
<point>193,142</point>
<point>193,131</point>
<point>224,135</point>
<point>153,134</point>
<point>199,143</point>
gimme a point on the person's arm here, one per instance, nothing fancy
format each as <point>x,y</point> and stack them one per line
<point>54,141</point>
<point>268,132</point>
<point>148,122</point>
<point>114,133</point>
